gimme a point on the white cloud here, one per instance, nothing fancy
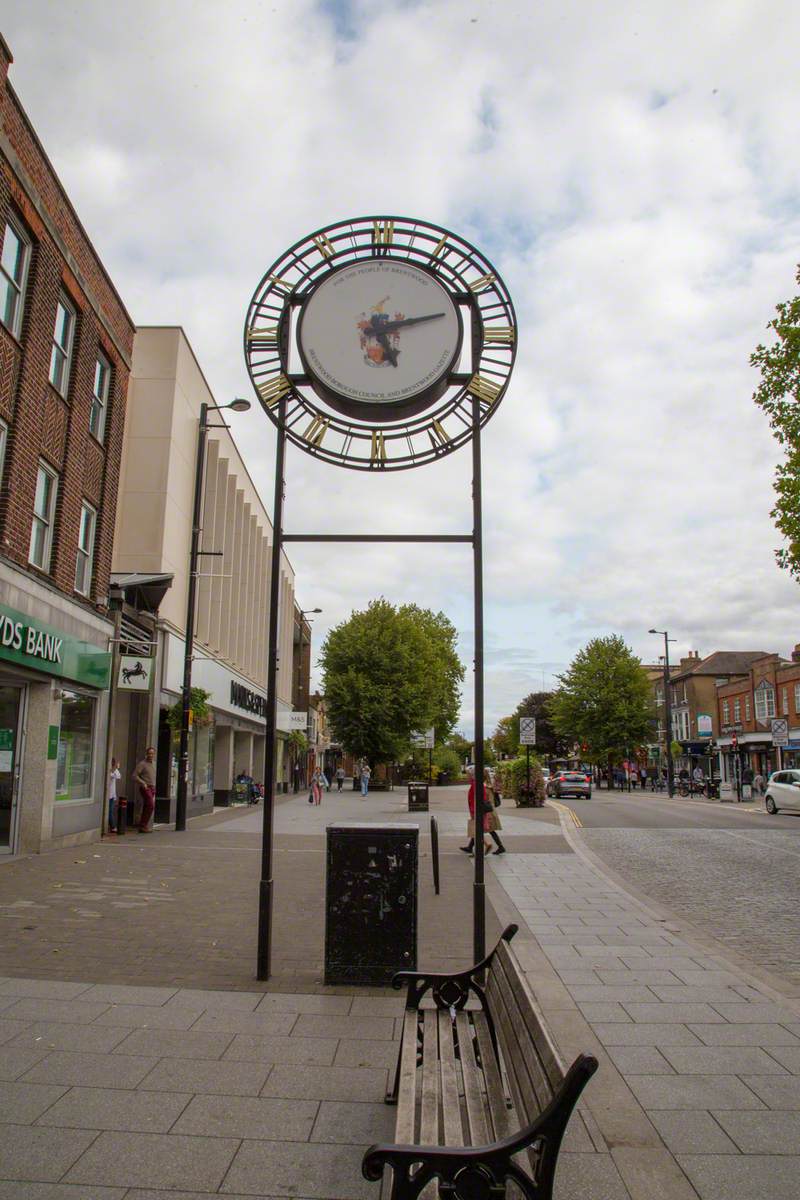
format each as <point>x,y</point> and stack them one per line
<point>631,171</point>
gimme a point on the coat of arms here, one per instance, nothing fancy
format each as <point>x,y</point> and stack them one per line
<point>379,335</point>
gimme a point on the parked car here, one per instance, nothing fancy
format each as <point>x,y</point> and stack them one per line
<point>571,783</point>
<point>546,773</point>
<point>783,791</point>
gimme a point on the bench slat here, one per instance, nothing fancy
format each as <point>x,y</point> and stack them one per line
<point>407,1096</point>
<point>429,1108</point>
<point>451,1103</point>
<point>473,1092</point>
<point>530,1086</point>
<point>498,1109</point>
<point>531,1014</point>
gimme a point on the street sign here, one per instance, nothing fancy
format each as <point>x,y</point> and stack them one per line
<point>135,672</point>
<point>288,721</point>
<point>424,741</point>
<point>780,731</point>
<point>527,731</point>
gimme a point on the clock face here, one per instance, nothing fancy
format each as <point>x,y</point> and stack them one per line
<point>380,343</point>
<point>380,335</point>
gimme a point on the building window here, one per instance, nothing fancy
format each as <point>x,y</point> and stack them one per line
<point>784,702</point>
<point>102,381</point>
<point>797,699</point>
<point>63,338</point>
<point>726,712</point>
<point>747,708</point>
<point>44,507</point>
<point>13,276</point>
<point>83,562</point>
<point>75,738</point>
<point>765,701</point>
<point>737,710</point>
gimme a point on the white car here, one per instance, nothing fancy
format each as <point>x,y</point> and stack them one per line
<point>783,791</point>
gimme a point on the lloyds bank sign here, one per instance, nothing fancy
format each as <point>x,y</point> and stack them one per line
<point>41,647</point>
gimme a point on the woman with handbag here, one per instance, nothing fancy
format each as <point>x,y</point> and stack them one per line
<point>491,821</point>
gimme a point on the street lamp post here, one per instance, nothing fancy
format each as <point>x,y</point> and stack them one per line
<point>195,552</point>
<point>667,711</point>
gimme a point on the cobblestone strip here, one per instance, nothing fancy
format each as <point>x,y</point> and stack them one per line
<point>713,1061</point>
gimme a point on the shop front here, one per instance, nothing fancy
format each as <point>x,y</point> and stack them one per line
<point>227,742</point>
<point>54,678</point>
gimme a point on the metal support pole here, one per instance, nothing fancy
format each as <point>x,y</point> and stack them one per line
<point>191,599</point>
<point>479,887</point>
<point>668,721</point>
<point>270,757</point>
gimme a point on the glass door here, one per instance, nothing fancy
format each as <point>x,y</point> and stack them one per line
<point>10,756</point>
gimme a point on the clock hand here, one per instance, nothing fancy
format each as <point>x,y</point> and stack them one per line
<point>390,326</point>
<point>391,354</point>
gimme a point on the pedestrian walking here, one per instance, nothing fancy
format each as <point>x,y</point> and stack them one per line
<point>491,818</point>
<point>317,782</point>
<point>144,776</point>
<point>365,775</point>
<point>643,777</point>
<point>114,775</point>
<point>487,845</point>
<point>339,778</point>
<point>759,784</point>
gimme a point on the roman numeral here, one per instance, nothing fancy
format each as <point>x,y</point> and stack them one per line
<point>480,285</point>
<point>271,390</point>
<point>484,389</point>
<point>383,233</point>
<point>280,285</point>
<point>324,245</point>
<point>437,435</point>
<point>316,431</point>
<point>499,333</point>
<point>267,335</point>
<point>378,454</point>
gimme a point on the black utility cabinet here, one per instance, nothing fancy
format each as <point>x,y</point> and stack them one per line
<point>370,902</point>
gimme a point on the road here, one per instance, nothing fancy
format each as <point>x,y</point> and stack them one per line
<point>732,872</point>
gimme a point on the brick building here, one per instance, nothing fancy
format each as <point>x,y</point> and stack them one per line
<point>746,708</point>
<point>65,351</point>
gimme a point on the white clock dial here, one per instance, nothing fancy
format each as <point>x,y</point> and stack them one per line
<point>379,332</point>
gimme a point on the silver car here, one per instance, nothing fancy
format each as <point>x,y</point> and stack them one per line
<point>783,791</point>
<point>571,783</point>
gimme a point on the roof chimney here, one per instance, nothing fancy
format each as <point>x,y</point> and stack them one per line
<point>796,653</point>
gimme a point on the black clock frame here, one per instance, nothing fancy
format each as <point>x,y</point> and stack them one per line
<point>376,438</point>
<point>412,440</point>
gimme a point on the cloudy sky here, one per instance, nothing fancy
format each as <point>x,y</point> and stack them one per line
<point>631,170</point>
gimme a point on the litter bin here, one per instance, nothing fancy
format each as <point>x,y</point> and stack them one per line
<point>370,902</point>
<point>417,797</point>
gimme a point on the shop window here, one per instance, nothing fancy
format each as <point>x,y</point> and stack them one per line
<point>75,739</point>
<point>13,275</point>
<point>85,557</point>
<point>100,390</point>
<point>44,507</point>
<point>61,351</point>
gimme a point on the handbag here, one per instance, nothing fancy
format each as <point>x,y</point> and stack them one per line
<point>498,800</point>
<point>310,797</point>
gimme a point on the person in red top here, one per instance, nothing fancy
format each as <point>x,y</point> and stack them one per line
<point>488,801</point>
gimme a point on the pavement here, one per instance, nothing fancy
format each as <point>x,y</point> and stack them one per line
<point>140,1059</point>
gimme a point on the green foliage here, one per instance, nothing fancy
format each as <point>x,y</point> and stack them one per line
<point>512,776</point>
<point>298,742</point>
<point>605,701</point>
<point>201,714</point>
<point>778,395</point>
<point>446,759</point>
<point>505,738</point>
<point>388,673</point>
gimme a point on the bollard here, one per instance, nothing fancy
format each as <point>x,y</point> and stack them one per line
<point>122,815</point>
<point>435,853</point>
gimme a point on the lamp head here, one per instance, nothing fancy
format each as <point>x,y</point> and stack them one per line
<point>239,405</point>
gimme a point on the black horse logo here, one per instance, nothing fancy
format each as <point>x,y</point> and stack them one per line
<point>137,672</point>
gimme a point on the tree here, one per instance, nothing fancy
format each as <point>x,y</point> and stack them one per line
<point>604,701</point>
<point>778,395</point>
<point>505,738</point>
<point>388,673</point>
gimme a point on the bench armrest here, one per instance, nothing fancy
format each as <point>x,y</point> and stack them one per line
<point>483,1171</point>
<point>449,990</point>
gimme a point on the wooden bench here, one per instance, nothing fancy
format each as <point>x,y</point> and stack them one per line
<point>478,1081</point>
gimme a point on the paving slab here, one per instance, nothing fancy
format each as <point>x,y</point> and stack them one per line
<point>74,1012</point>
<point>742,1177</point>
<point>248,1117</point>
<point>311,1169</point>
<point>19,1190</point>
<point>365,1054</point>
<point>590,1177</point>
<point>368,1028</point>
<point>304,1002</point>
<point>299,1050</point>
<point>694,1132</point>
<point>230,1020</point>
<point>16,1060</point>
<point>43,989</point>
<point>174,1043</point>
<point>207,1077</point>
<point>163,1161</point>
<point>9,1029</point>
<point>109,1108</point>
<point>145,1016</point>
<point>22,1103</point>
<point>746,1035</point>
<point>58,1035</point>
<point>764,1132</point>
<point>90,1070</point>
<point>722,1060</point>
<point>777,1091</point>
<point>327,1083</point>
<point>693,1091</point>
<point>31,1153</point>
<point>343,1121</point>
